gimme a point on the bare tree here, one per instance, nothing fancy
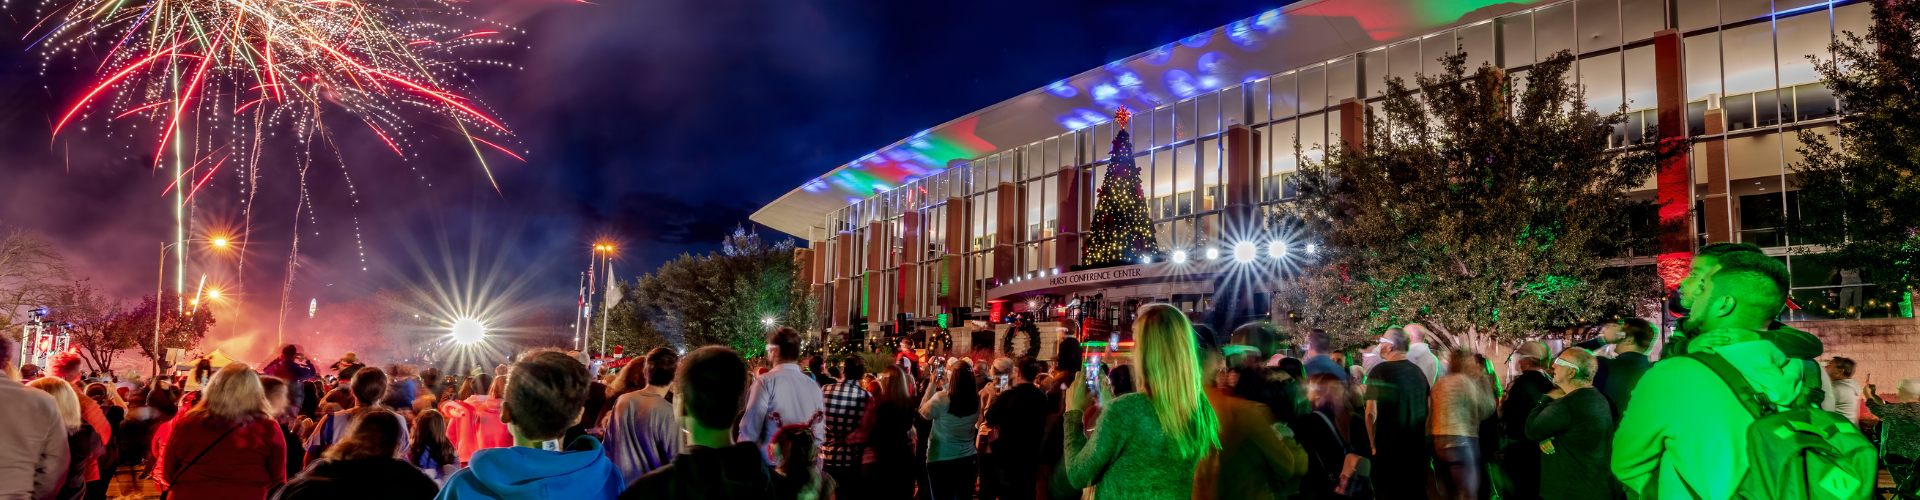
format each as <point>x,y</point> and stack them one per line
<point>99,328</point>
<point>32,272</point>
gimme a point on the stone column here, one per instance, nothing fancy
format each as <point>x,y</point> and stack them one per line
<point>1353,123</point>
<point>1007,226</point>
<point>1719,210</point>
<point>959,220</point>
<point>1066,250</point>
<point>912,246</point>
<point>1674,177</point>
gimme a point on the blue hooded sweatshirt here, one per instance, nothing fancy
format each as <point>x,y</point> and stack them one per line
<point>582,472</point>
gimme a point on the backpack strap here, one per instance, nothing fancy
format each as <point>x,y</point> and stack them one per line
<point>1810,384</point>
<point>1755,403</point>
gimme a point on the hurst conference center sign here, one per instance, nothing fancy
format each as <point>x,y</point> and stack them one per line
<point>1046,283</point>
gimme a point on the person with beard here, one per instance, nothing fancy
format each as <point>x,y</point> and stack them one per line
<point>1685,434</point>
<point>1795,343</point>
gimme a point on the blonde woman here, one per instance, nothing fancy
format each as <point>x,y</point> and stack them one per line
<point>229,446</point>
<point>83,444</point>
<point>1147,444</point>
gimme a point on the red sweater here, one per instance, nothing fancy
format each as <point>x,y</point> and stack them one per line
<point>243,466</point>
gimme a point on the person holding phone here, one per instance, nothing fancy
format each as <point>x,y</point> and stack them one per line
<point>1146,444</point>
<point>954,409</point>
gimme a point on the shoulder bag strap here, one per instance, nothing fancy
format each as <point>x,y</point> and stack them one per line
<point>1336,432</point>
<point>196,458</point>
<point>1742,391</point>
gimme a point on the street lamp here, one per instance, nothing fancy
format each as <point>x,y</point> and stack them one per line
<point>219,242</point>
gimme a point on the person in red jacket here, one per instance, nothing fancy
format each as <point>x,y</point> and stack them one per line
<point>229,447</point>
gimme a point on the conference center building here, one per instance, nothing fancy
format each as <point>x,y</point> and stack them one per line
<point>987,213</point>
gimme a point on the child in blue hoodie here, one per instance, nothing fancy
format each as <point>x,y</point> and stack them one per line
<point>545,395</point>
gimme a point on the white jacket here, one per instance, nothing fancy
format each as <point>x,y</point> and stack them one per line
<point>33,458</point>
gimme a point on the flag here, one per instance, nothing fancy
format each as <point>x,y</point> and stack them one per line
<point>613,288</point>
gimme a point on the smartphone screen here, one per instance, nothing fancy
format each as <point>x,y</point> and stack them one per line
<point>1093,377</point>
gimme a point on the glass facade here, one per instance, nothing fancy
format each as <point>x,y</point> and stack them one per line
<point>1749,89</point>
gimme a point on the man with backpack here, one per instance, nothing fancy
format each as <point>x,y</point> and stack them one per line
<point>1737,414</point>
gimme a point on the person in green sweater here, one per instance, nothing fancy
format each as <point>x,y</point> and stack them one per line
<point>1684,436</point>
<point>1146,444</point>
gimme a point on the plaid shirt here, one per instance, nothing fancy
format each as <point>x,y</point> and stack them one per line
<point>846,405</point>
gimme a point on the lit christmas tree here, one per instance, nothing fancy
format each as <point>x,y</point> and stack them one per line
<point>1121,232</point>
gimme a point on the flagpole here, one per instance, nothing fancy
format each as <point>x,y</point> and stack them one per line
<point>609,310</point>
<point>579,305</point>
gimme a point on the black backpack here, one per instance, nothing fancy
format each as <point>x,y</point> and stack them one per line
<point>1808,453</point>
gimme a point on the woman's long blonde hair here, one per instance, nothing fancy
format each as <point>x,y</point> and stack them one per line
<point>63,398</point>
<point>1169,365</point>
<point>234,395</point>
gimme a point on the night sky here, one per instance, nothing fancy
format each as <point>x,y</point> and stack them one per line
<point>657,124</point>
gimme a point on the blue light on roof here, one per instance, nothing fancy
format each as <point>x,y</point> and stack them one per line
<point>1182,83</point>
<point>1198,41</point>
<point>1270,21</point>
<point>1244,34</point>
<point>1158,56</point>
<point>1103,92</point>
<point>1062,89</point>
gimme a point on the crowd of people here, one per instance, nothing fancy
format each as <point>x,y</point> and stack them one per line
<point>1178,417</point>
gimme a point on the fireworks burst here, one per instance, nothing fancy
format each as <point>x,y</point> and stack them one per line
<point>183,65</point>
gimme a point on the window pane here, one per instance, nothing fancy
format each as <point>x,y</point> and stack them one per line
<point>1162,126</point>
<point>1749,58</point>
<point>1183,181</point>
<point>1210,173</point>
<point>1766,108</point>
<point>1696,14</point>
<point>1800,36</point>
<point>1262,110</point>
<point>1477,42</point>
<point>1233,106</point>
<point>1739,112</point>
<point>1516,40</point>
<point>1732,11</point>
<point>1313,137</point>
<point>1599,24</point>
<point>1703,65</point>
<point>1641,91</point>
<point>1814,101</point>
<point>1183,120</point>
<point>1313,88</point>
<point>1432,49</point>
<point>1642,18</point>
<point>1856,18</point>
<point>1553,30</point>
<point>1341,77</point>
<point>1163,181</point>
<point>1373,72</point>
<point>1601,75</point>
<point>1285,155</point>
<point>1286,96</point>
<point>1403,61</point>
<point>1206,112</point>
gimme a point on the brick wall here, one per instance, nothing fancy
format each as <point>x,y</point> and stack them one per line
<point>1887,349</point>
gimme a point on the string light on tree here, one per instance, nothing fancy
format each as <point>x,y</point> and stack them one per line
<point>1121,231</point>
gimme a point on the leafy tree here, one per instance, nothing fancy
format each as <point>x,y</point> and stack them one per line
<point>722,298</point>
<point>178,328</point>
<point>100,329</point>
<point>1858,197</point>
<point>32,273</point>
<point>1480,210</point>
